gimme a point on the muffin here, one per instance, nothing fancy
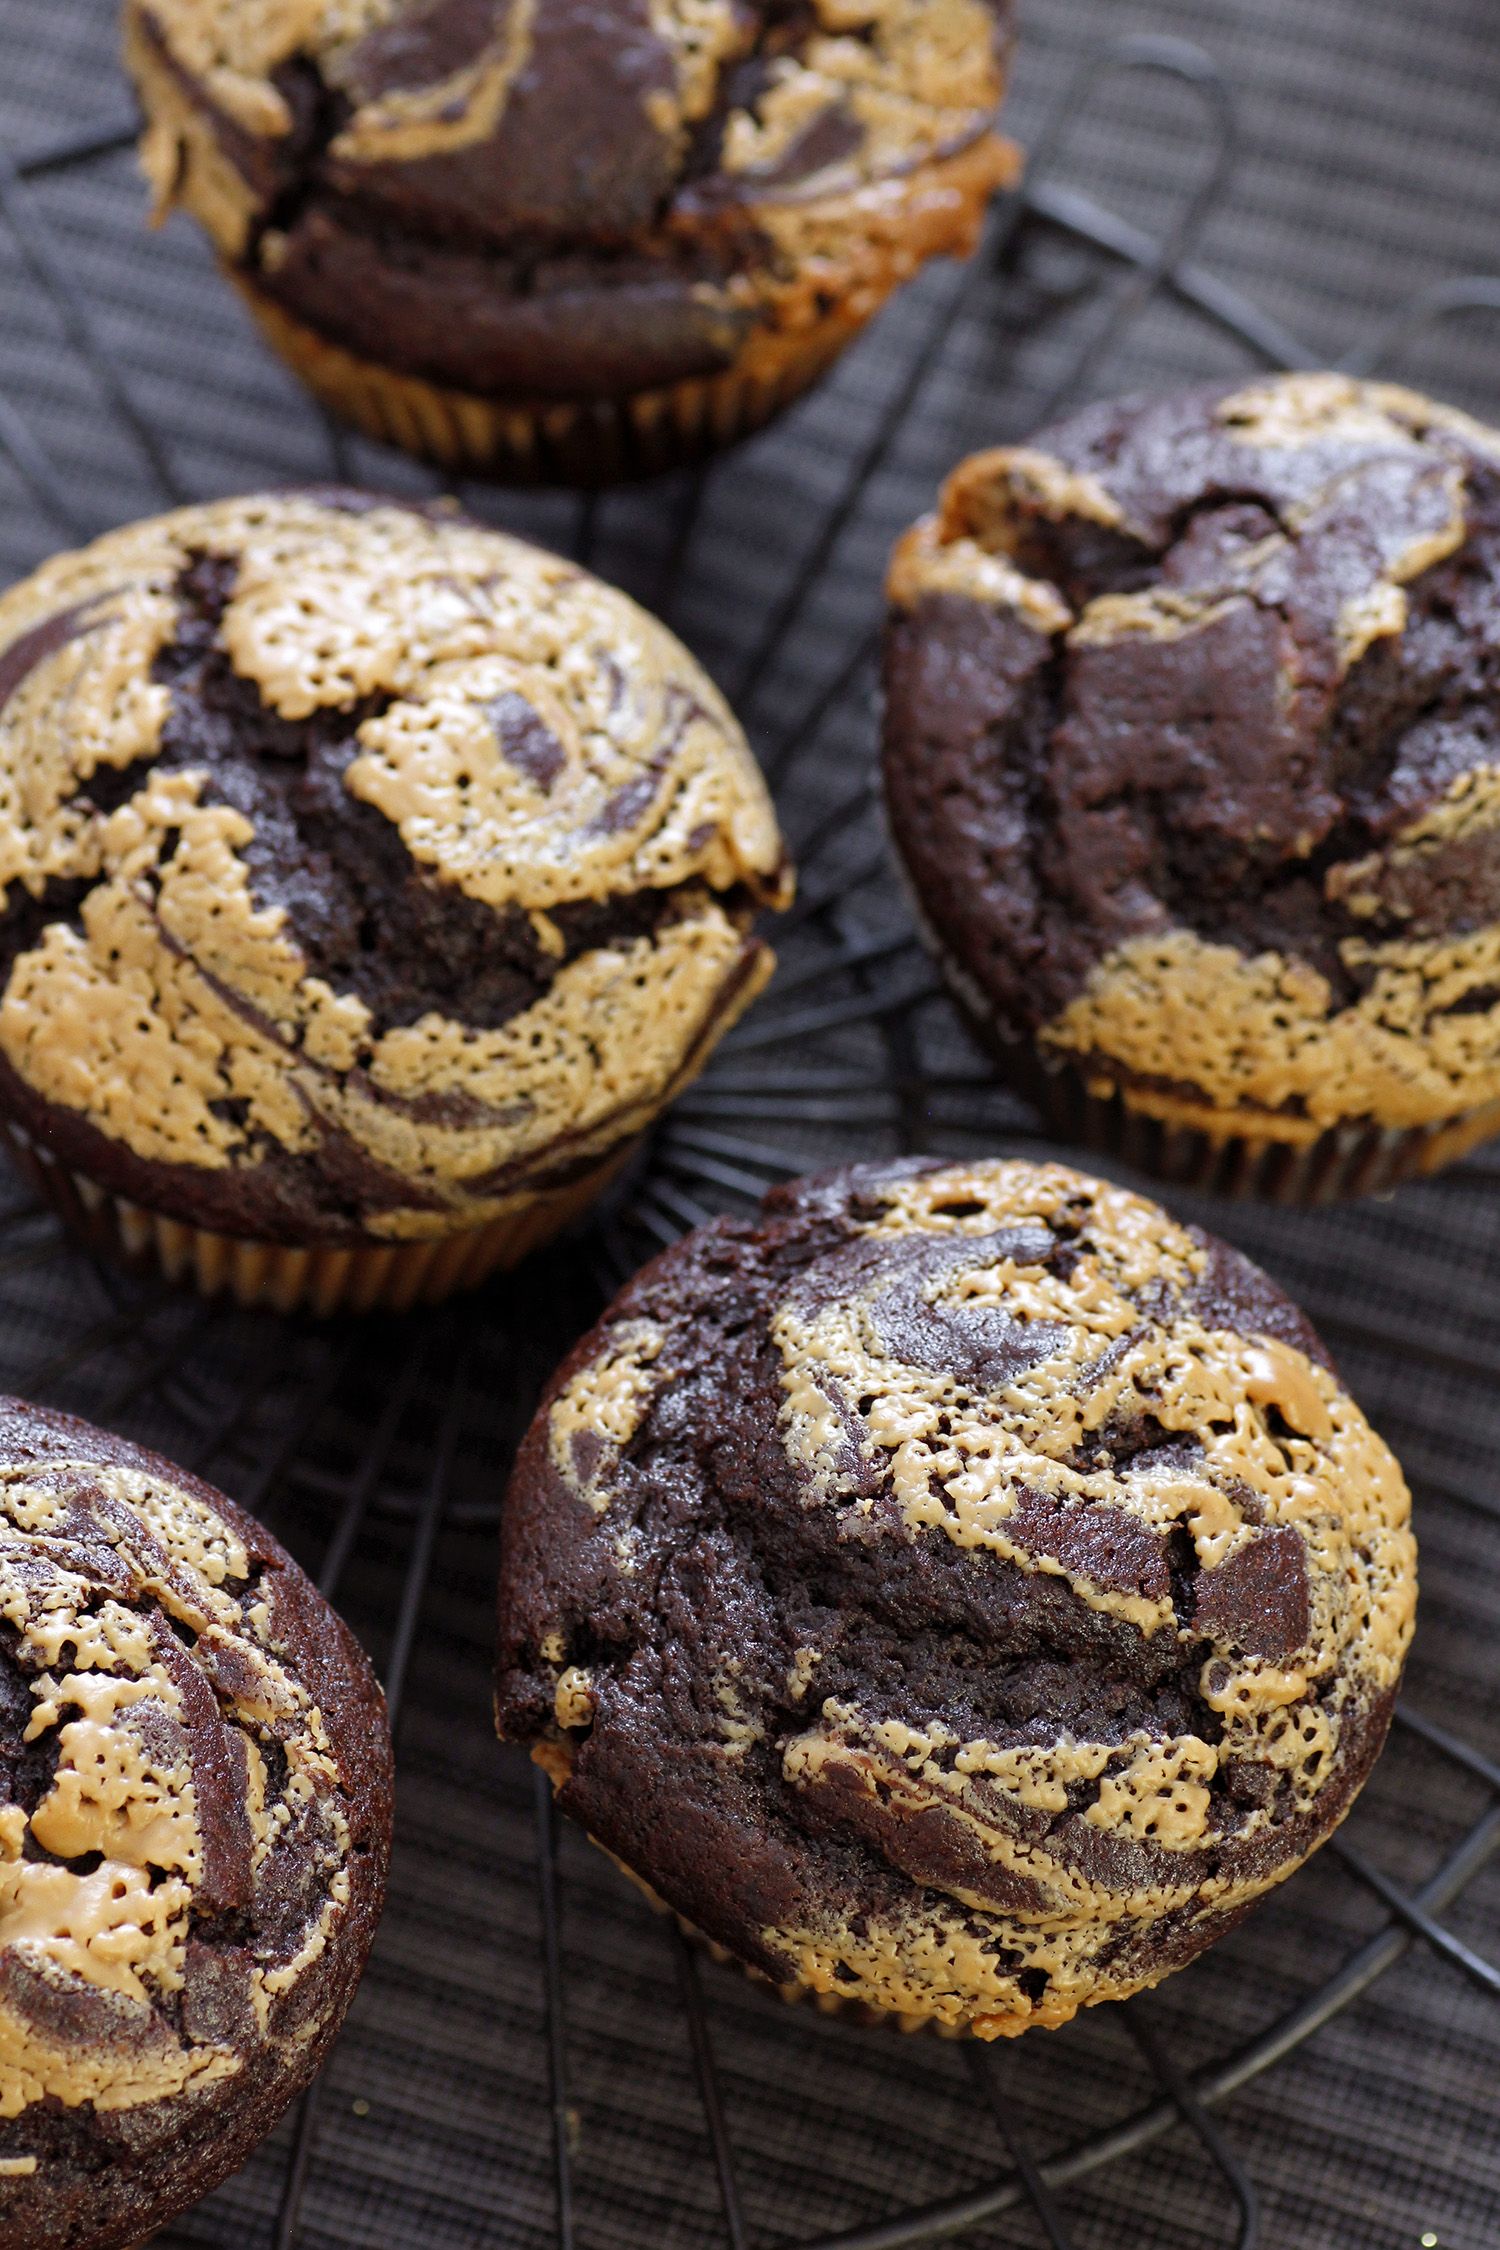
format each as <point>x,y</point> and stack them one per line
<point>1192,759</point>
<point>372,881</point>
<point>195,1811</point>
<point>578,242</point>
<point>957,1593</point>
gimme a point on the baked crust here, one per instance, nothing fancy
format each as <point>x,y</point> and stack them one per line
<point>581,201</point>
<point>367,870</point>
<point>962,1591</point>
<point>195,1810</point>
<point>1192,758</point>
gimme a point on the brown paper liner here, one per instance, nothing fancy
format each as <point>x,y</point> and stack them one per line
<point>1343,1161</point>
<point>551,441</point>
<point>322,1278</point>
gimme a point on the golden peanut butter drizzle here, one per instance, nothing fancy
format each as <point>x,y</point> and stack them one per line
<point>182,1017</point>
<point>1281,1445</point>
<point>1272,1444</point>
<point>107,1918</point>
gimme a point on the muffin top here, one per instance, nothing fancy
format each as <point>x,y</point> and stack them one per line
<point>678,157</point>
<point>961,1590</point>
<point>364,867</point>
<point>194,1819</point>
<point>1193,751</point>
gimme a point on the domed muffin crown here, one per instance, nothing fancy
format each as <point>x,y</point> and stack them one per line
<point>1192,754</point>
<point>194,1817</point>
<point>962,1591</point>
<point>576,198</point>
<point>366,867</point>
<point>572,119</point>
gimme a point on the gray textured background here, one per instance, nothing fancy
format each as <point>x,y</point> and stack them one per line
<point>1370,172</point>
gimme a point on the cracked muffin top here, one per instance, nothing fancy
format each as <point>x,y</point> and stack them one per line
<point>583,197</point>
<point>960,1591</point>
<point>194,1821</point>
<point>1192,751</point>
<point>364,868</point>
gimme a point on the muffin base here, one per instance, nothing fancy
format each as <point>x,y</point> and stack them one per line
<point>552,441</point>
<point>322,1278</point>
<point>861,2012</point>
<point>555,1764</point>
<point>807,322</point>
<point>1342,1162</point>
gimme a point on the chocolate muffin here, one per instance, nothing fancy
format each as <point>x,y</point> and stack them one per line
<point>195,1817</point>
<point>372,880</point>
<point>580,241</point>
<point>958,1593</point>
<point>1192,756</point>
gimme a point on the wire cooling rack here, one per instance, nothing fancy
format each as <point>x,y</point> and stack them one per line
<point>534,2061</point>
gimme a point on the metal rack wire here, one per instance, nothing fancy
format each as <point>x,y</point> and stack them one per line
<point>373,1446</point>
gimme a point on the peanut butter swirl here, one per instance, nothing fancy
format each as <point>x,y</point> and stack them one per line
<point>366,867</point>
<point>905,79</point>
<point>988,1571</point>
<point>193,1814</point>
<point>1215,816</point>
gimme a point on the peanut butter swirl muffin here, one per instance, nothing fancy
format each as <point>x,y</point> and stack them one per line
<point>194,1825</point>
<point>582,239</point>
<point>1192,756</point>
<point>958,1593</point>
<point>372,880</point>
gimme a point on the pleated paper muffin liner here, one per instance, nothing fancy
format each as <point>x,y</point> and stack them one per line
<point>551,441</point>
<point>321,1278</point>
<point>1341,1162</point>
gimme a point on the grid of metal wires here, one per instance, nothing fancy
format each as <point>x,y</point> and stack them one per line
<point>372,1442</point>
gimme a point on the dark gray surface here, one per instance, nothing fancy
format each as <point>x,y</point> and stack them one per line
<point>1370,173</point>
